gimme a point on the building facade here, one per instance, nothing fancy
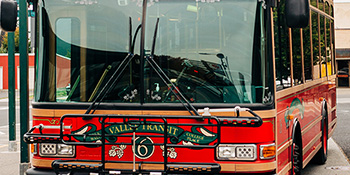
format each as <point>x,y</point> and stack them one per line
<point>342,42</point>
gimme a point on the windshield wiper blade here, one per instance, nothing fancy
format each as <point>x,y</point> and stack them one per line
<point>165,78</point>
<point>111,82</point>
<point>117,73</point>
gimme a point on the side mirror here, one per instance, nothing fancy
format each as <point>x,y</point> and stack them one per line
<point>8,15</point>
<point>297,13</point>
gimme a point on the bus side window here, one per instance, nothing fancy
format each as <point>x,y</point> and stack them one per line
<point>313,3</point>
<point>315,45</point>
<point>323,46</point>
<point>297,59</point>
<point>321,5</point>
<point>282,60</point>
<point>328,48</point>
<point>307,53</point>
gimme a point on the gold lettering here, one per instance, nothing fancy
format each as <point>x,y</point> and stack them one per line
<point>110,130</point>
<point>121,128</point>
<point>175,130</point>
<point>169,129</point>
<point>161,127</point>
<point>126,128</point>
<point>116,129</point>
<point>149,127</point>
<point>156,127</point>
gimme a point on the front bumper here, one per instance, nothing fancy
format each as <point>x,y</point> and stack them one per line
<point>224,167</point>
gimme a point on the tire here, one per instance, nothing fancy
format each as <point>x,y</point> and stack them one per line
<point>321,156</point>
<point>297,155</point>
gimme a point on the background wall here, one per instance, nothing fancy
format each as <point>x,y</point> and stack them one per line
<point>4,71</point>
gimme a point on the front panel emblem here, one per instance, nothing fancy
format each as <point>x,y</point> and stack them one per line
<point>144,147</point>
<point>170,153</point>
<point>117,151</point>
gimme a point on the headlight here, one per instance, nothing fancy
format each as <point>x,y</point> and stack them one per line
<point>236,152</point>
<point>56,150</point>
<point>227,152</point>
<point>65,149</point>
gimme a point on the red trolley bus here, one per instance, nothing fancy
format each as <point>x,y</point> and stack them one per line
<point>182,86</point>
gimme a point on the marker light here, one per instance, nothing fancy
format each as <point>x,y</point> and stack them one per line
<point>267,151</point>
<point>33,148</point>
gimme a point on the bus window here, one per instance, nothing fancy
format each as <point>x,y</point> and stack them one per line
<point>307,53</point>
<point>77,46</point>
<point>209,51</point>
<point>321,5</point>
<point>323,47</point>
<point>66,31</point>
<point>313,3</point>
<point>315,44</point>
<point>328,48</point>
<point>331,11</point>
<point>297,60</point>
<point>46,81</point>
<point>333,48</point>
<point>283,76</point>
<point>326,8</point>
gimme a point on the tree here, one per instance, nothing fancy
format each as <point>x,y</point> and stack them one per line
<point>4,43</point>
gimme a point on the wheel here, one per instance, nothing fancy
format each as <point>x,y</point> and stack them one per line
<point>297,156</point>
<point>321,156</point>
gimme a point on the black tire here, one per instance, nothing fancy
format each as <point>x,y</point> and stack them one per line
<point>296,150</point>
<point>321,156</point>
<point>297,155</point>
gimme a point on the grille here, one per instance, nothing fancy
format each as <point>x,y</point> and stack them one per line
<point>47,149</point>
<point>245,152</point>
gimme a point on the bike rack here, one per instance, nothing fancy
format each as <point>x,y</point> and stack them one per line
<point>91,137</point>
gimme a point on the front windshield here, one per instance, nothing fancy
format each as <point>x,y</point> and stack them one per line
<point>212,51</point>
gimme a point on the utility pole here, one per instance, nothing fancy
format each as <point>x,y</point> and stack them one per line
<point>24,101</point>
<point>11,92</point>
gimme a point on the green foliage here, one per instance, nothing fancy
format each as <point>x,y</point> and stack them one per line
<point>4,43</point>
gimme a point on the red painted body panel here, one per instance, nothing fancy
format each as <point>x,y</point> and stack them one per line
<point>310,119</point>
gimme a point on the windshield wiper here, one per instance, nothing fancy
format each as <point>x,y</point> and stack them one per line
<point>165,78</point>
<point>111,82</point>
<point>117,73</point>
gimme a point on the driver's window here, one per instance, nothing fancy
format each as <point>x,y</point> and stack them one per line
<point>67,33</point>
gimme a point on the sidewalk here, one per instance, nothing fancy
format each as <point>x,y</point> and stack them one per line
<point>4,95</point>
<point>337,163</point>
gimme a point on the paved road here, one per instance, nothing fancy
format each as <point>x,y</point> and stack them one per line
<point>342,132</point>
<point>337,163</point>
